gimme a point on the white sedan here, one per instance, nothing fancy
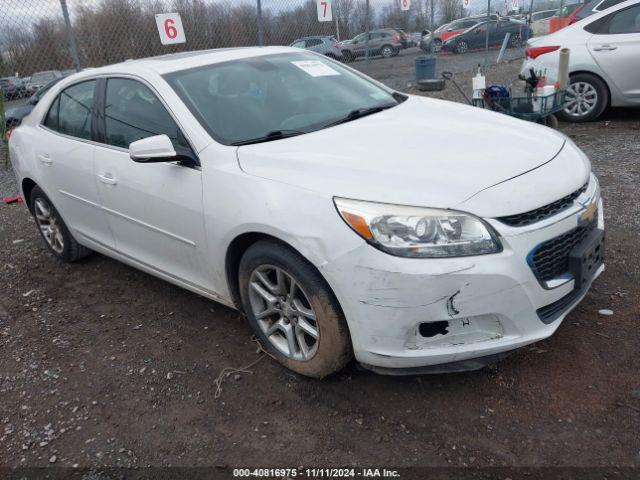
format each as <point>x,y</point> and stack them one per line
<point>604,61</point>
<point>313,198</point>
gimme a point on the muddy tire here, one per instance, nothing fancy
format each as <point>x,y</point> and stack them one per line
<point>54,231</point>
<point>302,326</point>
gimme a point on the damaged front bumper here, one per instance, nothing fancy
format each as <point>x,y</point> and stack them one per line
<point>409,314</point>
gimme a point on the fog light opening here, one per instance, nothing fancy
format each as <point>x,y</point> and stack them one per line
<point>431,329</point>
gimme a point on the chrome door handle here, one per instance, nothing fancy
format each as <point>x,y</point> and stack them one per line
<point>45,159</point>
<point>108,179</point>
<point>604,48</point>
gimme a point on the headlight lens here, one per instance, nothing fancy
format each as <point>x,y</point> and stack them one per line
<point>418,232</point>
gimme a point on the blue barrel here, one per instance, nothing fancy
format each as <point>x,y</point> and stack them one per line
<point>425,67</point>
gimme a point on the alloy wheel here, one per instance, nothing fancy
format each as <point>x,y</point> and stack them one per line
<point>462,47</point>
<point>581,98</point>
<point>49,225</point>
<point>387,52</point>
<point>283,312</point>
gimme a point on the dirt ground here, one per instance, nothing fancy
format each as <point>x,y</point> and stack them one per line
<point>102,365</point>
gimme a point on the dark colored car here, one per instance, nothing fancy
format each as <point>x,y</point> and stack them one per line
<point>14,115</point>
<point>475,37</point>
<point>12,88</point>
<point>40,79</point>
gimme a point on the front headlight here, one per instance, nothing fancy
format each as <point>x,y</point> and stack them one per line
<point>418,232</point>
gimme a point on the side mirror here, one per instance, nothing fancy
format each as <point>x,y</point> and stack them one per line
<point>153,149</point>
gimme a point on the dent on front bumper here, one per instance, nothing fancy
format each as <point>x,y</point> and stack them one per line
<point>469,307</point>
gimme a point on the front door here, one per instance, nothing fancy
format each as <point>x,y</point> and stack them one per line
<point>616,49</point>
<point>154,209</point>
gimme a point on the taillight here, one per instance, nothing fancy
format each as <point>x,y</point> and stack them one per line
<point>396,37</point>
<point>9,132</point>
<point>535,52</point>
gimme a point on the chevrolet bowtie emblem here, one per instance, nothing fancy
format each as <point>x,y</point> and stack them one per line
<point>589,213</point>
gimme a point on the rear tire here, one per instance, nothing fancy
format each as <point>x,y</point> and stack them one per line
<point>461,47</point>
<point>515,41</point>
<point>282,320</point>
<point>587,97</point>
<point>54,231</point>
<point>347,56</point>
<point>437,45</point>
<point>386,51</point>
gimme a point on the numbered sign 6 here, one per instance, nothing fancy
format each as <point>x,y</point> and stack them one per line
<point>405,4</point>
<point>170,28</point>
<point>324,10</point>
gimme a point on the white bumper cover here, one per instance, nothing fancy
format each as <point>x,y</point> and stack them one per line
<point>482,305</point>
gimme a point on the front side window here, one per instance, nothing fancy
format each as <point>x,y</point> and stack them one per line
<point>313,42</point>
<point>133,112</point>
<point>71,112</point>
<point>245,99</point>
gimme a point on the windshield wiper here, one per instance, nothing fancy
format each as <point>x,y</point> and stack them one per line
<point>272,135</point>
<point>359,113</point>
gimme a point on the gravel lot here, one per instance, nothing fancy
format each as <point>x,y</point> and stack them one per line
<point>102,365</point>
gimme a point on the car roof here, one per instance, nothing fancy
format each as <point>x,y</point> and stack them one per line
<point>173,62</point>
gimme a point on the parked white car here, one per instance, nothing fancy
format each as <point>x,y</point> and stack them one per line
<point>604,65</point>
<point>285,184</point>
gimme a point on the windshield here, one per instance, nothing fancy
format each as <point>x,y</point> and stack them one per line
<point>246,99</point>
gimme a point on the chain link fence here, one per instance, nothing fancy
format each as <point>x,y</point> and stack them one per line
<point>45,35</point>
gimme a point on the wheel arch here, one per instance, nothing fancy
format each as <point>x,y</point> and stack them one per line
<point>237,248</point>
<point>27,187</point>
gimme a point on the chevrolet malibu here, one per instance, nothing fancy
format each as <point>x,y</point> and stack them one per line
<point>311,197</point>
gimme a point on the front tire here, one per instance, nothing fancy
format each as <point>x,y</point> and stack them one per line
<point>292,311</point>
<point>515,41</point>
<point>586,98</point>
<point>54,231</point>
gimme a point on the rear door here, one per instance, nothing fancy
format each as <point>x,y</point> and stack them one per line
<point>154,209</point>
<point>65,154</point>
<point>615,46</point>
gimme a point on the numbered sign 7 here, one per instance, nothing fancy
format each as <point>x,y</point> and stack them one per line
<point>405,4</point>
<point>324,10</point>
<point>170,28</point>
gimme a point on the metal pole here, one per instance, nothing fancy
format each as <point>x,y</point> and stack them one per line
<point>337,26</point>
<point>73,48</point>
<point>432,20</point>
<point>530,19</point>
<point>366,45</point>
<point>486,38</point>
<point>432,27</point>
<point>260,25</point>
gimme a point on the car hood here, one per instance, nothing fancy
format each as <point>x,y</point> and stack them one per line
<point>423,152</point>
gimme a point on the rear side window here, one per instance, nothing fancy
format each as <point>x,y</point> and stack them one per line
<point>313,42</point>
<point>52,117</point>
<point>620,22</point>
<point>133,112</point>
<point>71,112</point>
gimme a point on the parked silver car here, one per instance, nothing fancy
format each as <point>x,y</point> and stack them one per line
<point>385,42</point>
<point>326,45</point>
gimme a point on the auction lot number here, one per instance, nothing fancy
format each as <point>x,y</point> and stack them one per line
<point>170,28</point>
